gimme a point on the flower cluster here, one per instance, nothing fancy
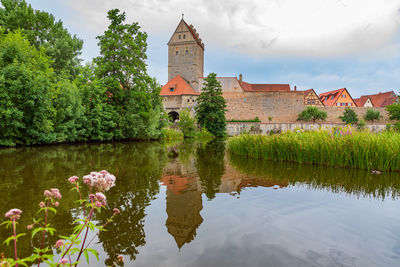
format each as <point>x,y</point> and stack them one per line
<point>101,181</point>
<point>73,179</point>
<point>13,214</point>
<point>99,199</point>
<point>53,193</point>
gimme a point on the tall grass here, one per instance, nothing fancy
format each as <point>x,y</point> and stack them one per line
<point>340,148</point>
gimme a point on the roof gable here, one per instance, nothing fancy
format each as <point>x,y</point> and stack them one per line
<point>382,99</point>
<point>330,98</point>
<point>185,33</point>
<point>177,86</point>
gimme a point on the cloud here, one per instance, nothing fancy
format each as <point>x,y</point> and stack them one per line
<point>281,28</point>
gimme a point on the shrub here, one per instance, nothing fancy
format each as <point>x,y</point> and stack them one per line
<point>187,124</point>
<point>361,124</point>
<point>312,113</point>
<point>170,134</point>
<point>372,114</point>
<point>349,116</point>
<point>394,111</point>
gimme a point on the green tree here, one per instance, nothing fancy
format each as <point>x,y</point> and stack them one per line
<point>312,113</point>
<point>372,115</point>
<point>42,30</point>
<point>394,111</point>
<point>187,124</point>
<point>210,109</point>
<point>25,92</point>
<point>349,116</point>
<point>121,69</point>
<point>99,115</point>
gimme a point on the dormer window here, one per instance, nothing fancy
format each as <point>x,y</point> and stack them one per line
<point>333,97</point>
<point>171,89</point>
<point>326,98</point>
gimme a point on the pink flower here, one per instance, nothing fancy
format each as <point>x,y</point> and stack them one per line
<point>98,204</point>
<point>42,205</point>
<point>92,197</point>
<point>116,211</point>
<point>87,180</point>
<point>29,227</point>
<point>56,193</point>
<point>13,214</point>
<point>59,243</point>
<point>73,179</point>
<point>120,258</point>
<point>100,196</point>
<point>63,261</point>
<point>47,193</point>
<point>56,204</point>
<point>102,181</point>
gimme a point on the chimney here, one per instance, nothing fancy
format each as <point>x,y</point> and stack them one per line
<point>240,78</point>
<point>295,88</point>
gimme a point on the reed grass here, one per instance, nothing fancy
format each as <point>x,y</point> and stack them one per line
<point>340,148</point>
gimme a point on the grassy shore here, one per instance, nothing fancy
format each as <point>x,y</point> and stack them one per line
<point>340,148</point>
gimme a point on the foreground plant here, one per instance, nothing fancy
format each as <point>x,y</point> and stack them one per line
<point>67,247</point>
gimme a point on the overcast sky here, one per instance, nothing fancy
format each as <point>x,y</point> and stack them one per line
<point>317,44</point>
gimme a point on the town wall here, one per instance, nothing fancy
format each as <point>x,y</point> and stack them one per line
<point>280,106</point>
<point>335,112</point>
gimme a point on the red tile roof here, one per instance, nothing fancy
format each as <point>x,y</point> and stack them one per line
<point>180,87</point>
<point>360,102</point>
<point>382,99</point>
<point>264,87</point>
<point>333,96</point>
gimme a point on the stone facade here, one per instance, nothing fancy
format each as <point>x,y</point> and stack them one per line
<point>186,55</point>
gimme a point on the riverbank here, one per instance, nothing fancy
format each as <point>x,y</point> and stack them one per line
<point>343,147</point>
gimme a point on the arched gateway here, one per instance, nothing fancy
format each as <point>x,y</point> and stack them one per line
<point>173,116</point>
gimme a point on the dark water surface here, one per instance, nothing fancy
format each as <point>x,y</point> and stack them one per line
<point>189,205</point>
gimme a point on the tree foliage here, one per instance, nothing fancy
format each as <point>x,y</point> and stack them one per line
<point>187,124</point>
<point>122,70</point>
<point>42,30</point>
<point>372,115</point>
<point>312,113</point>
<point>394,111</point>
<point>25,92</point>
<point>210,109</point>
<point>349,116</point>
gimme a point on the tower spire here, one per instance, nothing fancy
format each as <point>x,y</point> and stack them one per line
<point>183,14</point>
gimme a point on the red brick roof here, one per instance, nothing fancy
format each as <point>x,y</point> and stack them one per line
<point>382,99</point>
<point>333,96</point>
<point>264,87</point>
<point>180,87</point>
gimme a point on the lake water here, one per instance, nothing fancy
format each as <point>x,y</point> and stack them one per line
<point>196,205</point>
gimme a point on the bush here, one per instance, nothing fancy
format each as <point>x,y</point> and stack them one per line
<point>394,111</point>
<point>170,134</point>
<point>372,115</point>
<point>312,113</point>
<point>361,124</point>
<point>187,124</point>
<point>349,116</point>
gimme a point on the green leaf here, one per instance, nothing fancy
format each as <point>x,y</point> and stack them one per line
<point>7,241</point>
<point>94,252</point>
<point>86,256</point>
<point>36,230</point>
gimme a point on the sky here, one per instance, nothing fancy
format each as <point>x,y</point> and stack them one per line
<point>325,45</point>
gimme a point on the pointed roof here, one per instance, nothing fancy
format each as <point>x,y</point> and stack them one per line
<point>360,102</point>
<point>336,94</point>
<point>192,31</point>
<point>179,87</point>
<point>382,99</point>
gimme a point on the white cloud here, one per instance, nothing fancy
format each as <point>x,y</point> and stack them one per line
<point>302,28</point>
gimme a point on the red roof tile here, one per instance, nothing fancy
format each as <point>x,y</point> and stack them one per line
<point>180,87</point>
<point>333,96</point>
<point>382,99</point>
<point>360,102</point>
<point>264,87</point>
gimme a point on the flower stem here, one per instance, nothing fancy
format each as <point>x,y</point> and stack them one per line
<point>43,236</point>
<point>84,240</point>
<point>15,241</point>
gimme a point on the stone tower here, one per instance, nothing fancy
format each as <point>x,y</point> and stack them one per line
<point>186,54</point>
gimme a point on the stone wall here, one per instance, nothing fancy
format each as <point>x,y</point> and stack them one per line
<point>335,112</point>
<point>280,106</point>
<point>236,128</point>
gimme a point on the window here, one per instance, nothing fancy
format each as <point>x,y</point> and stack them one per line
<point>187,51</point>
<point>176,52</point>
<point>244,99</point>
<point>333,97</point>
<point>344,96</point>
<point>309,101</point>
<point>326,98</point>
<point>184,36</point>
<point>193,100</point>
<point>313,102</point>
<point>171,89</point>
<point>337,104</point>
<point>179,36</point>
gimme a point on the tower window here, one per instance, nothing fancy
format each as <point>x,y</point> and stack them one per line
<point>179,36</point>
<point>176,52</point>
<point>184,36</point>
<point>187,51</point>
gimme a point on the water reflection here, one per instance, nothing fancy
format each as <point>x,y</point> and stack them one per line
<point>188,172</point>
